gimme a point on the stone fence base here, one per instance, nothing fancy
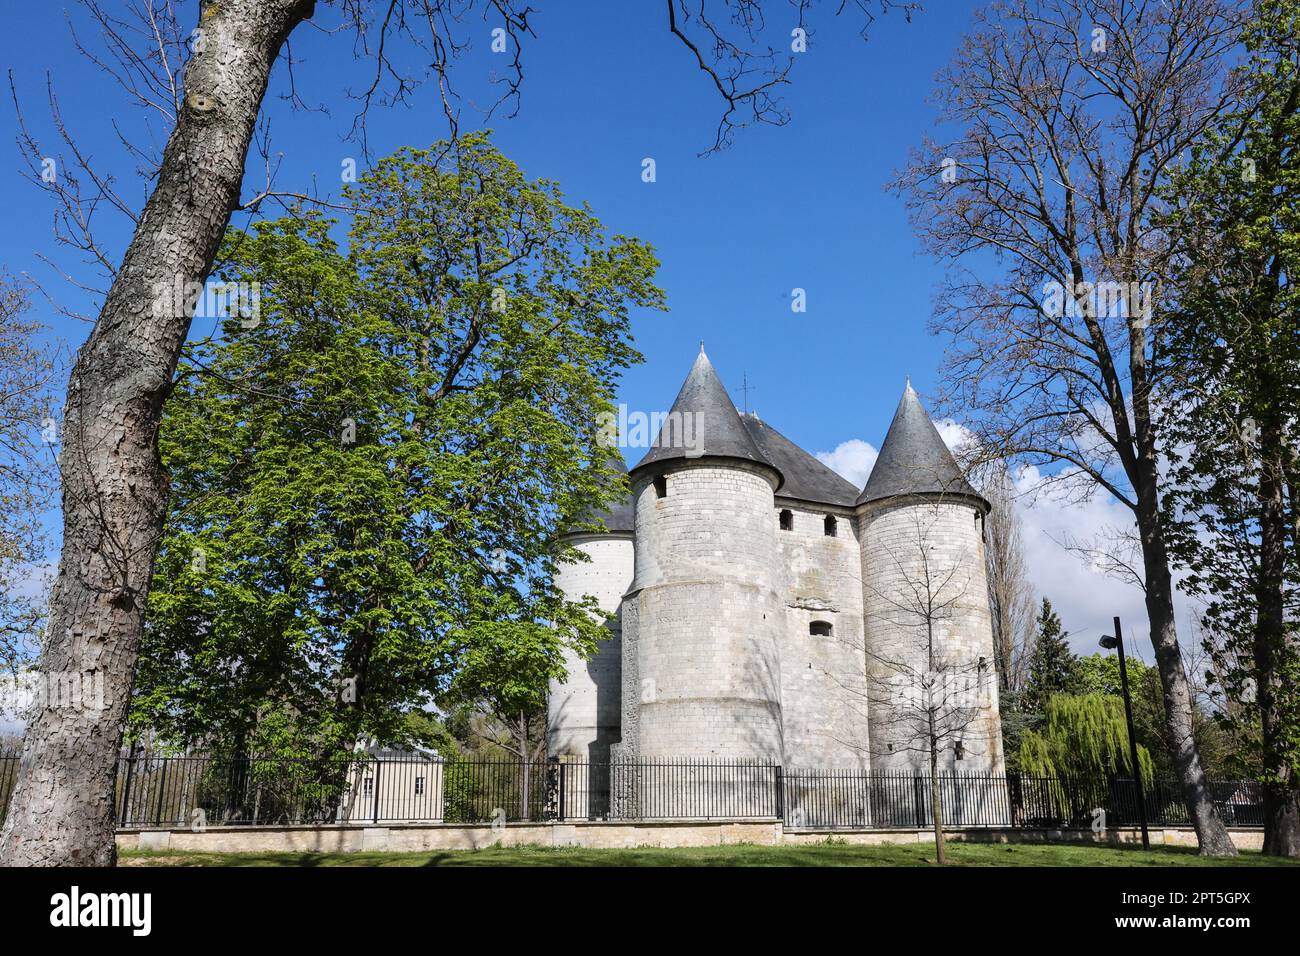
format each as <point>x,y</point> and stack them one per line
<point>349,838</point>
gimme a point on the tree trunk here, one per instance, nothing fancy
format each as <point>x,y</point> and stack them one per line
<point>1281,819</point>
<point>114,488</point>
<point>1281,797</point>
<point>1143,468</point>
<point>1211,834</point>
<point>936,804</point>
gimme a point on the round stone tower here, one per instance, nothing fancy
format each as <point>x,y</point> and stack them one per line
<point>929,631</point>
<point>583,711</point>
<point>706,675</point>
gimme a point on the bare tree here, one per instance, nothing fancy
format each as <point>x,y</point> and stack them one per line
<point>1011,595</point>
<point>206,85</point>
<point>1069,112</point>
<point>929,691</point>
<point>520,733</point>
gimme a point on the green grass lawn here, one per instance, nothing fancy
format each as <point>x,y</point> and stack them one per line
<point>832,854</point>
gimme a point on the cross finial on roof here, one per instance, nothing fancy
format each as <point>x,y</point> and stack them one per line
<point>745,389</point>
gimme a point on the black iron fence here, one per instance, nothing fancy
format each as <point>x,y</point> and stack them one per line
<point>8,773</point>
<point>201,790</point>
<point>830,799</point>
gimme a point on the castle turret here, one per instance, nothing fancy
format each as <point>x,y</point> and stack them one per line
<point>929,632</point>
<point>702,621</point>
<point>583,710</point>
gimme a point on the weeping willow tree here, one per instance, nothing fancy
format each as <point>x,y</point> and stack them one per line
<point>1082,747</point>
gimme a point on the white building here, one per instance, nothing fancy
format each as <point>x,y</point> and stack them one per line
<point>394,786</point>
<point>764,609</point>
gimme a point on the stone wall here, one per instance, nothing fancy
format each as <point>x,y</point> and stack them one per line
<point>709,615</point>
<point>355,839</point>
<point>823,690</point>
<point>923,566</point>
<point>583,711</point>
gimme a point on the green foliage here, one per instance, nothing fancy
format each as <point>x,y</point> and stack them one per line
<point>1016,722</point>
<point>1230,372</point>
<point>369,477</point>
<point>1099,673</point>
<point>423,729</point>
<point>1084,735</point>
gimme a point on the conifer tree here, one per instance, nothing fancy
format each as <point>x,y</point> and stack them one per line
<point>1053,668</point>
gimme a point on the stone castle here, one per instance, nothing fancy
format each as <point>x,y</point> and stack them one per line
<point>762,608</point>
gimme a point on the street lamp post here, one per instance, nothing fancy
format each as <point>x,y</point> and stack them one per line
<point>1117,643</point>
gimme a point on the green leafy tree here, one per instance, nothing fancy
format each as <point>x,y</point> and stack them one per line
<point>1100,675</point>
<point>370,472</point>
<point>1084,736</point>
<point>1082,745</point>
<point>1230,365</point>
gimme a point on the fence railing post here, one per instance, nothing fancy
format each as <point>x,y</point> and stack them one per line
<point>563,773</point>
<point>379,771</point>
<point>162,784</point>
<point>126,788</point>
<point>778,772</point>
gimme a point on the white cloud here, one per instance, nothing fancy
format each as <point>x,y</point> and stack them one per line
<point>1085,597</point>
<point>852,460</point>
<point>954,434</point>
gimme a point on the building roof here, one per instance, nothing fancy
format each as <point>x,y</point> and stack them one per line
<point>412,753</point>
<point>914,460</point>
<point>620,515</point>
<point>806,478</point>
<point>714,428</point>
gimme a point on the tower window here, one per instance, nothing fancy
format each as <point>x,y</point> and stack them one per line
<point>820,628</point>
<point>830,526</point>
<point>787,520</point>
<point>661,487</point>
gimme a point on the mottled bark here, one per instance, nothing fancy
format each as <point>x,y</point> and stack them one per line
<point>114,487</point>
<point>1212,836</point>
<point>1144,473</point>
<point>1271,651</point>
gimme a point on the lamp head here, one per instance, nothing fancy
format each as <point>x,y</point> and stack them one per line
<point>1109,642</point>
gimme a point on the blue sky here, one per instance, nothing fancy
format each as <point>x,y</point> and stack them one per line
<point>606,86</point>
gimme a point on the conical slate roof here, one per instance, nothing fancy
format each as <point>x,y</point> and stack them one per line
<point>914,460</point>
<point>806,478</point>
<point>714,428</point>
<point>620,515</point>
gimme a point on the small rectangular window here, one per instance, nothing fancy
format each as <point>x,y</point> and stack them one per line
<point>419,786</point>
<point>661,486</point>
<point>369,787</point>
<point>831,526</point>
<point>787,520</point>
